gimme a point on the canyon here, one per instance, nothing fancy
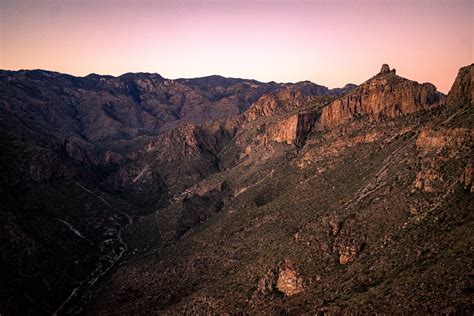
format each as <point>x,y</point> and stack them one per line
<point>143,195</point>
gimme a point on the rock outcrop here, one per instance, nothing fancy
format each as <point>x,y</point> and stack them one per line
<point>386,69</point>
<point>177,158</point>
<point>436,149</point>
<point>180,141</point>
<point>292,130</point>
<point>462,91</point>
<point>467,178</point>
<point>290,97</point>
<point>349,251</point>
<point>267,283</point>
<point>385,95</point>
<point>289,282</point>
<point>284,280</point>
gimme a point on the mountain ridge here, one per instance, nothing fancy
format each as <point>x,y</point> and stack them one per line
<point>260,204</point>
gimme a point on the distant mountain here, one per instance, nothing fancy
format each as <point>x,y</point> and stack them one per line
<point>346,88</point>
<point>138,194</point>
<point>213,82</point>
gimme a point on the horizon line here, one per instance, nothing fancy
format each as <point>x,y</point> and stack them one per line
<point>208,76</point>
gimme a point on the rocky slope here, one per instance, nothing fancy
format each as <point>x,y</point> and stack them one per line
<point>462,91</point>
<point>303,202</point>
<point>291,97</point>
<point>103,109</point>
<point>82,157</point>
<point>369,216</point>
<point>385,95</point>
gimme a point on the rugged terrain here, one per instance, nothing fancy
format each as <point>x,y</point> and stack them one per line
<point>138,195</point>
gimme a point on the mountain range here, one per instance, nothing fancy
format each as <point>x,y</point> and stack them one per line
<point>143,195</point>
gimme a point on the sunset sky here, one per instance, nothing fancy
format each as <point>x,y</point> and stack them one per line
<point>328,42</point>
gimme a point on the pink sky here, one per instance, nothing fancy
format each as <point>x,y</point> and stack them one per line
<point>328,42</point>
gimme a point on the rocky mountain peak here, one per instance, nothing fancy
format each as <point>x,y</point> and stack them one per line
<point>385,95</point>
<point>385,68</point>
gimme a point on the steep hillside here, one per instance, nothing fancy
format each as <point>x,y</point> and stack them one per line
<point>462,91</point>
<point>369,215</point>
<point>104,109</point>
<point>82,157</point>
<point>138,195</point>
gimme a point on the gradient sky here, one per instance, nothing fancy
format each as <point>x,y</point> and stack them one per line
<point>328,42</point>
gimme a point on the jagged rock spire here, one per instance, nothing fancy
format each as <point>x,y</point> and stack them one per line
<point>386,69</point>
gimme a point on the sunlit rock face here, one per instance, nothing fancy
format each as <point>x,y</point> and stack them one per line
<point>385,95</point>
<point>462,91</point>
<point>283,279</point>
<point>289,97</point>
<point>289,282</point>
<point>293,129</point>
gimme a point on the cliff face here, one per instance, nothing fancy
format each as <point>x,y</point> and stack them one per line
<point>171,161</point>
<point>385,95</point>
<point>292,130</point>
<point>290,97</point>
<point>462,91</point>
<point>180,141</point>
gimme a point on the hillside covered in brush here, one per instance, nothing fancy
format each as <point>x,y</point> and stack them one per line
<point>142,195</point>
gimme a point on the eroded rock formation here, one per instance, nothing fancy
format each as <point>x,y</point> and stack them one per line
<point>385,95</point>
<point>292,130</point>
<point>290,97</point>
<point>285,279</point>
<point>462,91</point>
